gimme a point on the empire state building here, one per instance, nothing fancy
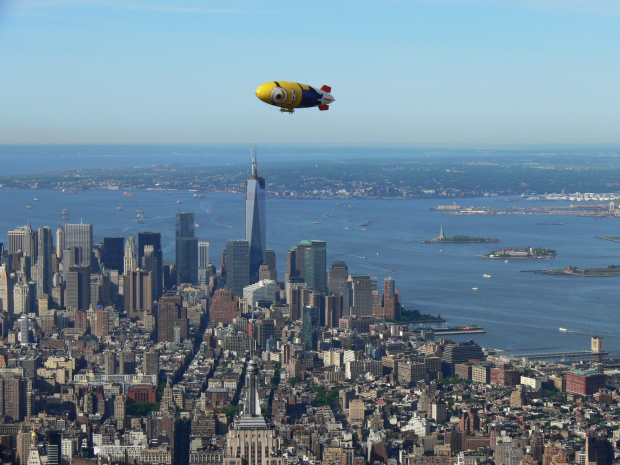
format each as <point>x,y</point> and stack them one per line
<point>252,441</point>
<point>255,227</point>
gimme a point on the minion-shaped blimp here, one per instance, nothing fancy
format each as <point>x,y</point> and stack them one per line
<point>291,95</point>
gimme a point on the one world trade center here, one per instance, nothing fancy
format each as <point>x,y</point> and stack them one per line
<point>255,228</point>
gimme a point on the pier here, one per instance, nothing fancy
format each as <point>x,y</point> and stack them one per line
<point>459,332</point>
<point>573,355</point>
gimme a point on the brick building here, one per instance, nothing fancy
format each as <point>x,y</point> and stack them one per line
<point>584,383</point>
<point>463,370</point>
<point>504,376</point>
<point>224,307</point>
<point>141,393</point>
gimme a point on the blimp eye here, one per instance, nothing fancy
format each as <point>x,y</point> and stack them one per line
<point>278,95</point>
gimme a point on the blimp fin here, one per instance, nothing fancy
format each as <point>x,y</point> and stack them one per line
<point>323,107</point>
<point>326,89</point>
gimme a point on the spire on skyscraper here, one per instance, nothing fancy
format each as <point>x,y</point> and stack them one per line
<point>252,417</point>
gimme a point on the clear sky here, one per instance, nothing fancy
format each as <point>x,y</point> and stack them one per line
<point>417,72</point>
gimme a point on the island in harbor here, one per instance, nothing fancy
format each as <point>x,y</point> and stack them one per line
<point>523,253</point>
<point>458,239</point>
<point>612,270</point>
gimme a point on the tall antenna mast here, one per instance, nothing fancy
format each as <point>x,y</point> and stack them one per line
<point>254,163</point>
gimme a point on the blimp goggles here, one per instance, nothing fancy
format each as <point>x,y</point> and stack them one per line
<point>278,95</point>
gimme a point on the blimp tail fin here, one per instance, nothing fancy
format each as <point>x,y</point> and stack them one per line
<point>326,89</point>
<point>323,107</point>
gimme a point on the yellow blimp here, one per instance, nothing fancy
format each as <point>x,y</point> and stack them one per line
<point>291,95</point>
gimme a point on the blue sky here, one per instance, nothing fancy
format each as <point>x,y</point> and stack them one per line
<point>407,72</point>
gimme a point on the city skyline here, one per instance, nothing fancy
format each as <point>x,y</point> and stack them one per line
<point>379,345</point>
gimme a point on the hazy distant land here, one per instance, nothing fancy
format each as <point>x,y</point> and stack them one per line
<point>378,173</point>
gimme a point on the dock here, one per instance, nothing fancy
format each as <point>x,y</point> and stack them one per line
<point>456,332</point>
<point>573,356</point>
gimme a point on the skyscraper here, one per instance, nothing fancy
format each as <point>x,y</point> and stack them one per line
<point>6,291</point>
<point>80,236</point>
<point>255,221</point>
<point>138,294</point>
<point>252,441</point>
<point>102,323</point>
<point>151,262</point>
<point>296,260</point>
<point>53,449</point>
<point>186,249</point>
<point>14,398</point>
<point>44,261</point>
<point>24,239</point>
<point>308,335</point>
<point>362,294</point>
<point>129,258</point>
<point>171,314</point>
<point>77,293</point>
<point>314,266</point>
<point>391,299</point>
<point>151,363</point>
<point>109,361</point>
<point>237,266</point>
<point>203,262</point>
<point>152,238</point>
<point>60,242</point>
<point>338,271</point>
<point>113,253</point>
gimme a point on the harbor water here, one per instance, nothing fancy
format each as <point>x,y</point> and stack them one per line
<point>520,311</point>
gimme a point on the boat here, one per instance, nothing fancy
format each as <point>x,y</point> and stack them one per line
<point>474,288</point>
<point>486,275</point>
<point>317,222</point>
<point>505,261</point>
<point>119,208</point>
<point>563,330</point>
<point>140,215</point>
<point>362,257</point>
<point>199,196</point>
<point>178,202</point>
<point>28,206</point>
<point>65,218</point>
<point>338,204</point>
<point>36,200</point>
<point>208,211</point>
<point>350,206</point>
<point>139,211</point>
<point>328,215</point>
<point>390,271</point>
<point>440,250</point>
<point>128,194</point>
<point>139,221</point>
<point>196,225</point>
<point>68,191</point>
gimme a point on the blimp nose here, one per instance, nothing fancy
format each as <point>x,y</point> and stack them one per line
<point>263,92</point>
